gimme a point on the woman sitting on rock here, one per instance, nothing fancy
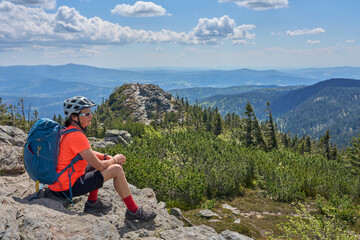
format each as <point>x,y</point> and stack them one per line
<point>90,173</point>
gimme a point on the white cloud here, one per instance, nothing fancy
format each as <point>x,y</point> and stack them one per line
<point>139,9</point>
<point>305,32</point>
<point>78,52</point>
<point>14,49</point>
<point>216,30</point>
<point>160,49</point>
<point>21,26</point>
<point>350,41</point>
<point>47,4</point>
<point>313,42</point>
<point>259,4</point>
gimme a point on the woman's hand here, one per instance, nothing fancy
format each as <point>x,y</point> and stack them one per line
<point>120,159</point>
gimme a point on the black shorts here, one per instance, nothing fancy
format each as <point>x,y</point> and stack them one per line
<point>90,181</point>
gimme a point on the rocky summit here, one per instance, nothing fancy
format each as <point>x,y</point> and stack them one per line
<point>142,101</point>
<point>22,216</point>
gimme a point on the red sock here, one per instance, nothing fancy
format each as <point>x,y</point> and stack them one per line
<point>93,196</point>
<point>130,204</point>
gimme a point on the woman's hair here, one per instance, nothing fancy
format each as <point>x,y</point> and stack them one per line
<point>69,120</point>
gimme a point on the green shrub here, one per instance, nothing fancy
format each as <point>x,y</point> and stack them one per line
<point>209,204</point>
<point>307,227</point>
<point>341,208</point>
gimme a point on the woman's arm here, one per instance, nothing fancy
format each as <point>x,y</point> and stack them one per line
<point>101,156</point>
<point>90,156</point>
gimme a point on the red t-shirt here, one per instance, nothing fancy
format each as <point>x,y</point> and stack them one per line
<point>71,145</point>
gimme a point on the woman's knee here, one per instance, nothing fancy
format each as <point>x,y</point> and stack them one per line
<point>118,170</point>
<point>113,171</point>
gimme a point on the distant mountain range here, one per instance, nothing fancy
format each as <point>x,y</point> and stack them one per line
<point>290,92</point>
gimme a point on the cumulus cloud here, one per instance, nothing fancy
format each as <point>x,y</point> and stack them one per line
<point>259,4</point>
<point>305,32</point>
<point>215,30</point>
<point>139,9</point>
<point>350,41</point>
<point>160,49</point>
<point>47,4</point>
<point>21,25</point>
<point>313,42</point>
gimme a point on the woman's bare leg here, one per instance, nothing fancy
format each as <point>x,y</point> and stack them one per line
<point>116,172</point>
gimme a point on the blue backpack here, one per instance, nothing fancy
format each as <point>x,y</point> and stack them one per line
<point>41,152</point>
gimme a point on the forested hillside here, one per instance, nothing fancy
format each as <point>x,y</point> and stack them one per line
<point>193,94</point>
<point>312,110</point>
<point>235,103</point>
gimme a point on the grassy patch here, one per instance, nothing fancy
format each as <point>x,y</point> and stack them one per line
<point>259,215</point>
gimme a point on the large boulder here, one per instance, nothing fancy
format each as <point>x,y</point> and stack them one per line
<point>12,140</point>
<point>11,160</point>
<point>118,136</point>
<point>12,136</point>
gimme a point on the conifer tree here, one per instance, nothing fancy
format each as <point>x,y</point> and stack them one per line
<point>308,145</point>
<point>218,126</point>
<point>325,140</point>
<point>273,144</point>
<point>295,142</point>
<point>285,140</point>
<point>259,136</point>
<point>60,119</point>
<point>353,153</point>
<point>248,124</point>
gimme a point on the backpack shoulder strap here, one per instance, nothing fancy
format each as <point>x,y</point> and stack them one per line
<point>69,131</point>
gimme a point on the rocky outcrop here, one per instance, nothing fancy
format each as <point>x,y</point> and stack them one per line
<point>112,137</point>
<point>118,136</point>
<point>144,101</point>
<point>12,136</point>
<point>12,140</point>
<point>22,218</point>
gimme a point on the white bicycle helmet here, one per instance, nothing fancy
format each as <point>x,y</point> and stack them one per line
<point>76,104</point>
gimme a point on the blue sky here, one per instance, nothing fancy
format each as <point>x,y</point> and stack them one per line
<point>258,34</point>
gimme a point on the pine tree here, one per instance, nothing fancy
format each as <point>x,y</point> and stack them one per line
<point>325,140</point>
<point>218,126</point>
<point>248,124</point>
<point>353,153</point>
<point>259,136</point>
<point>295,142</point>
<point>285,140</point>
<point>22,118</point>
<point>308,145</point>
<point>273,144</point>
<point>60,119</point>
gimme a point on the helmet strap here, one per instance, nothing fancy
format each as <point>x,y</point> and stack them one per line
<point>79,124</point>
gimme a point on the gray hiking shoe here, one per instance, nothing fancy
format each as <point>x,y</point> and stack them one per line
<point>98,207</point>
<point>140,215</point>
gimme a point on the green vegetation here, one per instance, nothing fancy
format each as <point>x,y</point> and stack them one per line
<point>307,226</point>
<point>14,115</point>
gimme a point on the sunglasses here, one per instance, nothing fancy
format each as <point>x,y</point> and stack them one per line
<point>87,114</point>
